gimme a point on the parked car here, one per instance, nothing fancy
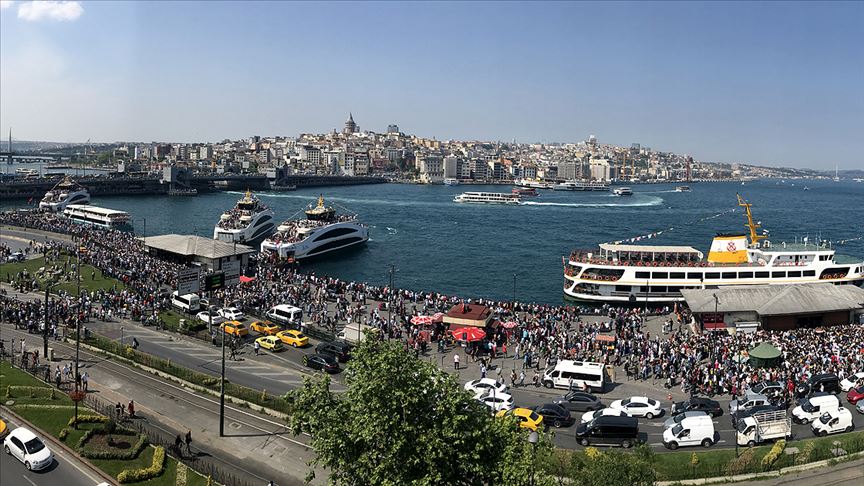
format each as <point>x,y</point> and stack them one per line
<point>555,415</point>
<point>24,445</point>
<point>711,407</point>
<point>232,313</point>
<point>810,409</point>
<point>855,395</point>
<point>340,350</point>
<point>824,382</point>
<point>678,417</point>
<point>639,407</point>
<point>604,412</point>
<point>265,328</point>
<point>606,430</point>
<point>578,401</point>
<point>852,381</point>
<point>528,419</point>
<point>323,362</point>
<point>484,386</point>
<point>749,400</point>
<point>771,389</point>
<point>205,317</point>
<point>689,432</point>
<point>860,407</point>
<point>293,337</point>
<point>833,422</point>
<point>15,257</point>
<point>234,328</point>
<point>497,402</point>
<point>270,342</point>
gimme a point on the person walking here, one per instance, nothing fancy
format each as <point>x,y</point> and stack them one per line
<point>131,409</point>
<point>522,378</point>
<point>118,409</point>
<point>85,380</point>
<point>257,347</point>
<point>189,442</point>
<point>482,371</point>
<point>456,361</point>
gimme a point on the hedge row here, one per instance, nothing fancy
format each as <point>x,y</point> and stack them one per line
<point>115,454</point>
<point>88,419</point>
<point>155,469</point>
<point>769,459</point>
<point>23,391</point>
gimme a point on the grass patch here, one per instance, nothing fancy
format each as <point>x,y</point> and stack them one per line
<point>113,467</point>
<point>172,321</point>
<point>91,277</point>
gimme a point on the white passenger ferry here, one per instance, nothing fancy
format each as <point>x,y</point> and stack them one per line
<point>322,231</point>
<point>66,192</point>
<point>641,273</point>
<point>535,183</point>
<point>581,186</point>
<point>487,198</point>
<point>249,221</point>
<point>451,181</point>
<point>96,216</point>
<point>623,191</point>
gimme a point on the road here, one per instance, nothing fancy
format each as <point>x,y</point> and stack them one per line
<point>67,470</point>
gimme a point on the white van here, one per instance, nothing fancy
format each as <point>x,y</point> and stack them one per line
<point>592,375</point>
<point>189,302</point>
<point>689,432</point>
<point>832,422</point>
<point>286,314</point>
<point>810,409</point>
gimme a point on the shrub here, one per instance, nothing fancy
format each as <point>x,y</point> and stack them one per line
<point>63,433</point>
<point>112,454</point>
<point>88,419</point>
<point>769,459</point>
<point>30,391</point>
<point>155,469</point>
<point>741,464</point>
<point>804,456</point>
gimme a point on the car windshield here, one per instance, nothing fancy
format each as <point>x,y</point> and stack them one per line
<point>678,418</point>
<point>676,430</point>
<point>625,402</point>
<point>807,406</point>
<point>34,445</point>
<point>299,335</point>
<point>534,417</point>
<point>825,418</point>
<point>742,426</point>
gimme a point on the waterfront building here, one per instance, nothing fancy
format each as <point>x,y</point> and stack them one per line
<point>567,170</point>
<point>190,249</point>
<point>451,167</point>
<point>431,169</point>
<point>600,169</point>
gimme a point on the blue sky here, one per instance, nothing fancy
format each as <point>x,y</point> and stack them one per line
<point>768,83</point>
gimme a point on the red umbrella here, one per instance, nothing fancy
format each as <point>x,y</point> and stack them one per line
<point>468,334</point>
<point>421,320</point>
<point>245,279</point>
<point>438,317</point>
<point>509,325</point>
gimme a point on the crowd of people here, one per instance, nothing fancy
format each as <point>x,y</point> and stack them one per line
<point>712,363</point>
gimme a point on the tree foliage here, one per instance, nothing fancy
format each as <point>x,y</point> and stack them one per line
<point>404,421</point>
<point>609,468</point>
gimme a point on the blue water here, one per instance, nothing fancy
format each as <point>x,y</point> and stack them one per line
<point>474,250</point>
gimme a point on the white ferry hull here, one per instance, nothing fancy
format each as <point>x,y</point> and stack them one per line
<point>77,197</point>
<point>261,226</point>
<point>318,243</point>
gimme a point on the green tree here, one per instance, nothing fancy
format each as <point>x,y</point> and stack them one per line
<point>614,468</point>
<point>404,421</point>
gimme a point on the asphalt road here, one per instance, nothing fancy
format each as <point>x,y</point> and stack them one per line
<point>67,470</point>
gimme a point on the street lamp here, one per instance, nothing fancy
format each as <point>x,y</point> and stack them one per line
<point>514,293</point>
<point>77,329</point>
<point>533,438</point>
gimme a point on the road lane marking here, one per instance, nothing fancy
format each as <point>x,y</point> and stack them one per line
<point>28,480</point>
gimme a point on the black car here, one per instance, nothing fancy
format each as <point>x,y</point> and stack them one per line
<point>771,389</point>
<point>339,350</point>
<point>555,415</point>
<point>577,401</point>
<point>752,410</point>
<point>825,382</point>
<point>609,430</point>
<point>324,362</point>
<point>698,404</point>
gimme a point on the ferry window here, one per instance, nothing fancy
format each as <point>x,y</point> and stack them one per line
<point>660,275</point>
<point>676,275</point>
<point>712,275</point>
<point>673,289</point>
<point>658,289</point>
<point>778,274</point>
<point>622,288</point>
<point>643,275</point>
<point>729,275</point>
<point>794,274</point>
<point>809,273</point>
<point>745,275</point>
<point>761,274</point>
<point>694,275</point>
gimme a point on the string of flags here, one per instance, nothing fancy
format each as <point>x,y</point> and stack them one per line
<point>655,234</point>
<point>847,240</point>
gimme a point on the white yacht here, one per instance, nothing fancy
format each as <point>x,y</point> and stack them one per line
<point>100,217</point>
<point>642,273</point>
<point>487,198</point>
<point>581,186</point>
<point>622,191</point>
<point>66,192</point>
<point>249,221</point>
<point>322,231</point>
<point>451,181</point>
<point>683,189</point>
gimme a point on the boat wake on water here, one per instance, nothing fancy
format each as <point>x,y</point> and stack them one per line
<point>351,200</point>
<point>654,201</point>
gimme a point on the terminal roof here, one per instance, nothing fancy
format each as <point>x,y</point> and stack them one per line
<point>195,245</point>
<point>648,249</point>
<point>772,300</point>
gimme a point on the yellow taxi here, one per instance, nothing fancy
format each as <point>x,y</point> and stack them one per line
<point>266,328</point>
<point>293,337</point>
<point>234,328</point>
<point>272,343</point>
<point>528,419</point>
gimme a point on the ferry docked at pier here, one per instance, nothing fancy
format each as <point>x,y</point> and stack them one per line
<point>66,192</point>
<point>100,217</point>
<point>487,198</point>
<point>535,183</point>
<point>581,186</point>
<point>451,181</point>
<point>322,231</point>
<point>656,274</point>
<point>249,221</point>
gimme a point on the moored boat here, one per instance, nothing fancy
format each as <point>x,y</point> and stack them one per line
<point>249,221</point>
<point>487,198</point>
<point>524,191</point>
<point>64,193</point>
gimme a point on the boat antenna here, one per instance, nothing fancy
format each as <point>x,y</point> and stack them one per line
<point>755,237</point>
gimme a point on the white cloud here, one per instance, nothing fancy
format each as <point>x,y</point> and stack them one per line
<point>4,4</point>
<point>49,10</point>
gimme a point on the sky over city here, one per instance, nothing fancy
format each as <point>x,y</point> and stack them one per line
<point>766,83</point>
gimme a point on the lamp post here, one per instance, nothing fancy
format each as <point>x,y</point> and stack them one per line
<point>121,337</point>
<point>533,438</point>
<point>77,330</point>
<point>514,293</point>
<point>222,390</point>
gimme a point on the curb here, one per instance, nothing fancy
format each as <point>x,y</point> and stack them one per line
<point>762,475</point>
<point>61,445</point>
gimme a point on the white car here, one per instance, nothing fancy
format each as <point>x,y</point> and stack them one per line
<point>589,416</point>
<point>485,385</point>
<point>851,381</point>
<point>204,317</point>
<point>232,314</point>
<point>497,402</point>
<point>860,406</point>
<point>639,407</point>
<point>27,448</point>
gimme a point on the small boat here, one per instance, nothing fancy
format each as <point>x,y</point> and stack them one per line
<point>182,191</point>
<point>26,172</point>
<point>525,191</point>
<point>806,188</point>
<point>451,181</point>
<point>622,191</point>
<point>581,186</point>
<point>683,189</point>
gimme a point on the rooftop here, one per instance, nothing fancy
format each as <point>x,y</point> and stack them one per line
<point>648,248</point>
<point>772,300</point>
<point>190,245</point>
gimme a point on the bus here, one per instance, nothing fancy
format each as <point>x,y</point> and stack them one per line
<point>583,374</point>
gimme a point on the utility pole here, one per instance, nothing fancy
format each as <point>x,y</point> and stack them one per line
<point>77,329</point>
<point>222,388</point>
<point>45,328</point>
